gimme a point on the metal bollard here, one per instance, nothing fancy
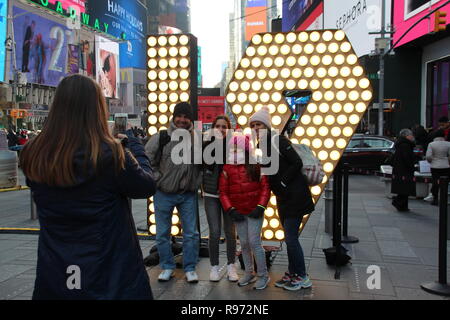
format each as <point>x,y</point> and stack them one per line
<point>34,215</point>
<point>441,287</point>
<point>328,197</point>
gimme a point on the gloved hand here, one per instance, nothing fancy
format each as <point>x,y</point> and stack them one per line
<point>235,215</point>
<point>257,213</point>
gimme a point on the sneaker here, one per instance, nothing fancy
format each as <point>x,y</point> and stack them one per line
<point>283,281</point>
<point>191,277</point>
<point>429,198</point>
<point>298,283</point>
<point>214,275</point>
<point>231,272</point>
<point>246,279</point>
<point>261,283</point>
<point>165,275</point>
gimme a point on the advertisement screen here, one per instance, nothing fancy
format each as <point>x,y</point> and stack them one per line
<point>108,66</point>
<point>87,55</point>
<point>357,18</point>
<point>41,48</point>
<point>255,21</point>
<point>125,19</point>
<point>293,10</point>
<point>408,12</point>
<point>314,20</point>
<point>3,27</point>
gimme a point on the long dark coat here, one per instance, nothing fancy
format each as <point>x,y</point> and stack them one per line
<point>403,168</point>
<point>90,226</point>
<point>294,200</point>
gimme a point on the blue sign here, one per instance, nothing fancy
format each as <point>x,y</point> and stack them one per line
<point>292,11</point>
<point>127,20</point>
<point>3,28</point>
<point>256,3</point>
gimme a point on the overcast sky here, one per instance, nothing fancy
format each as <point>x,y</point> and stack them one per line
<point>209,23</point>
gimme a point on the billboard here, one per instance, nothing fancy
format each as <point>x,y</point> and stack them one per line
<point>255,21</point>
<point>87,54</point>
<point>293,10</point>
<point>357,18</point>
<point>41,48</point>
<point>408,12</point>
<point>107,52</point>
<point>78,5</point>
<point>3,28</point>
<point>314,21</point>
<point>125,19</point>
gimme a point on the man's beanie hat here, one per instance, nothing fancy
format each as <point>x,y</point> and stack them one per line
<point>183,108</point>
<point>263,116</point>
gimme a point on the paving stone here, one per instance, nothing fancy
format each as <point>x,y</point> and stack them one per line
<point>381,220</point>
<point>411,276</point>
<point>8,271</point>
<point>14,287</point>
<point>396,248</point>
<point>388,233</point>
<point>414,294</point>
<point>327,293</point>
<point>364,251</point>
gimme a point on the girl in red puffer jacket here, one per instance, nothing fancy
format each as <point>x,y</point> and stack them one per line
<point>244,194</point>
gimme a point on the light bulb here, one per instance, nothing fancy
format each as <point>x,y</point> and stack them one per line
<point>152,41</point>
<point>262,74</point>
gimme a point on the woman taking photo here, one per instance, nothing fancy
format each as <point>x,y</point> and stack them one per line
<point>293,197</point>
<point>80,178</point>
<point>213,207</point>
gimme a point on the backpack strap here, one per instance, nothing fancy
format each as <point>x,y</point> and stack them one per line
<point>164,139</point>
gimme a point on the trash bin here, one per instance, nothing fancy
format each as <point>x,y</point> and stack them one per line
<point>422,188</point>
<point>387,181</point>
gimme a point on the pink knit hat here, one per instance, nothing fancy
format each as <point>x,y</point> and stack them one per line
<point>242,142</point>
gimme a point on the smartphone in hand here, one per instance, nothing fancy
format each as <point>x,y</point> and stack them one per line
<point>120,123</point>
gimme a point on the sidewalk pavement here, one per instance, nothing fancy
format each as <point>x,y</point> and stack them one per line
<point>403,245</point>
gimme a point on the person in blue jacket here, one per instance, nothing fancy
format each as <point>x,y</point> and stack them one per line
<point>81,178</point>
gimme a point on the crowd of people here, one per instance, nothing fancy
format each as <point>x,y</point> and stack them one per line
<point>436,149</point>
<point>81,177</point>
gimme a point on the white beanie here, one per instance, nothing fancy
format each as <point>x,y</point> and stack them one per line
<point>263,116</point>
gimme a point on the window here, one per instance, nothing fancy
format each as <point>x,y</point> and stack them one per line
<point>354,143</point>
<point>376,143</point>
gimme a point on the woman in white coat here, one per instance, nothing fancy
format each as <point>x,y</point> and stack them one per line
<point>438,155</point>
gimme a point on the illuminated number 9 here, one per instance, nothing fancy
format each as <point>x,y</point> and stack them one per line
<point>322,62</point>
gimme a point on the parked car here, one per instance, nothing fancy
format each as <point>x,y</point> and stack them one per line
<point>368,151</point>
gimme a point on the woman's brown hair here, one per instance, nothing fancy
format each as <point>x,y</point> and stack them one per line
<point>222,117</point>
<point>77,121</point>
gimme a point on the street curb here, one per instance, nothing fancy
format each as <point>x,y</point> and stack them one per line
<point>19,188</point>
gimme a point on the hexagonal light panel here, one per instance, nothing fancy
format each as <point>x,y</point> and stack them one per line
<point>322,62</point>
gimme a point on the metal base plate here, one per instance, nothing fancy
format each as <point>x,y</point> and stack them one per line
<point>437,288</point>
<point>349,239</point>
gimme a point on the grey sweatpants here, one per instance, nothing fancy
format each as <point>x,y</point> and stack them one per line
<point>249,232</point>
<point>214,214</point>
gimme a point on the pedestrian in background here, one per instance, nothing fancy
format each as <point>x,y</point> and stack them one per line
<point>443,124</point>
<point>293,196</point>
<point>81,178</point>
<point>421,137</point>
<point>177,186</point>
<point>244,194</point>
<point>403,162</point>
<point>438,155</point>
<point>213,207</point>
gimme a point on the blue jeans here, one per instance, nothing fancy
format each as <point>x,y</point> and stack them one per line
<point>164,205</point>
<point>294,249</point>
